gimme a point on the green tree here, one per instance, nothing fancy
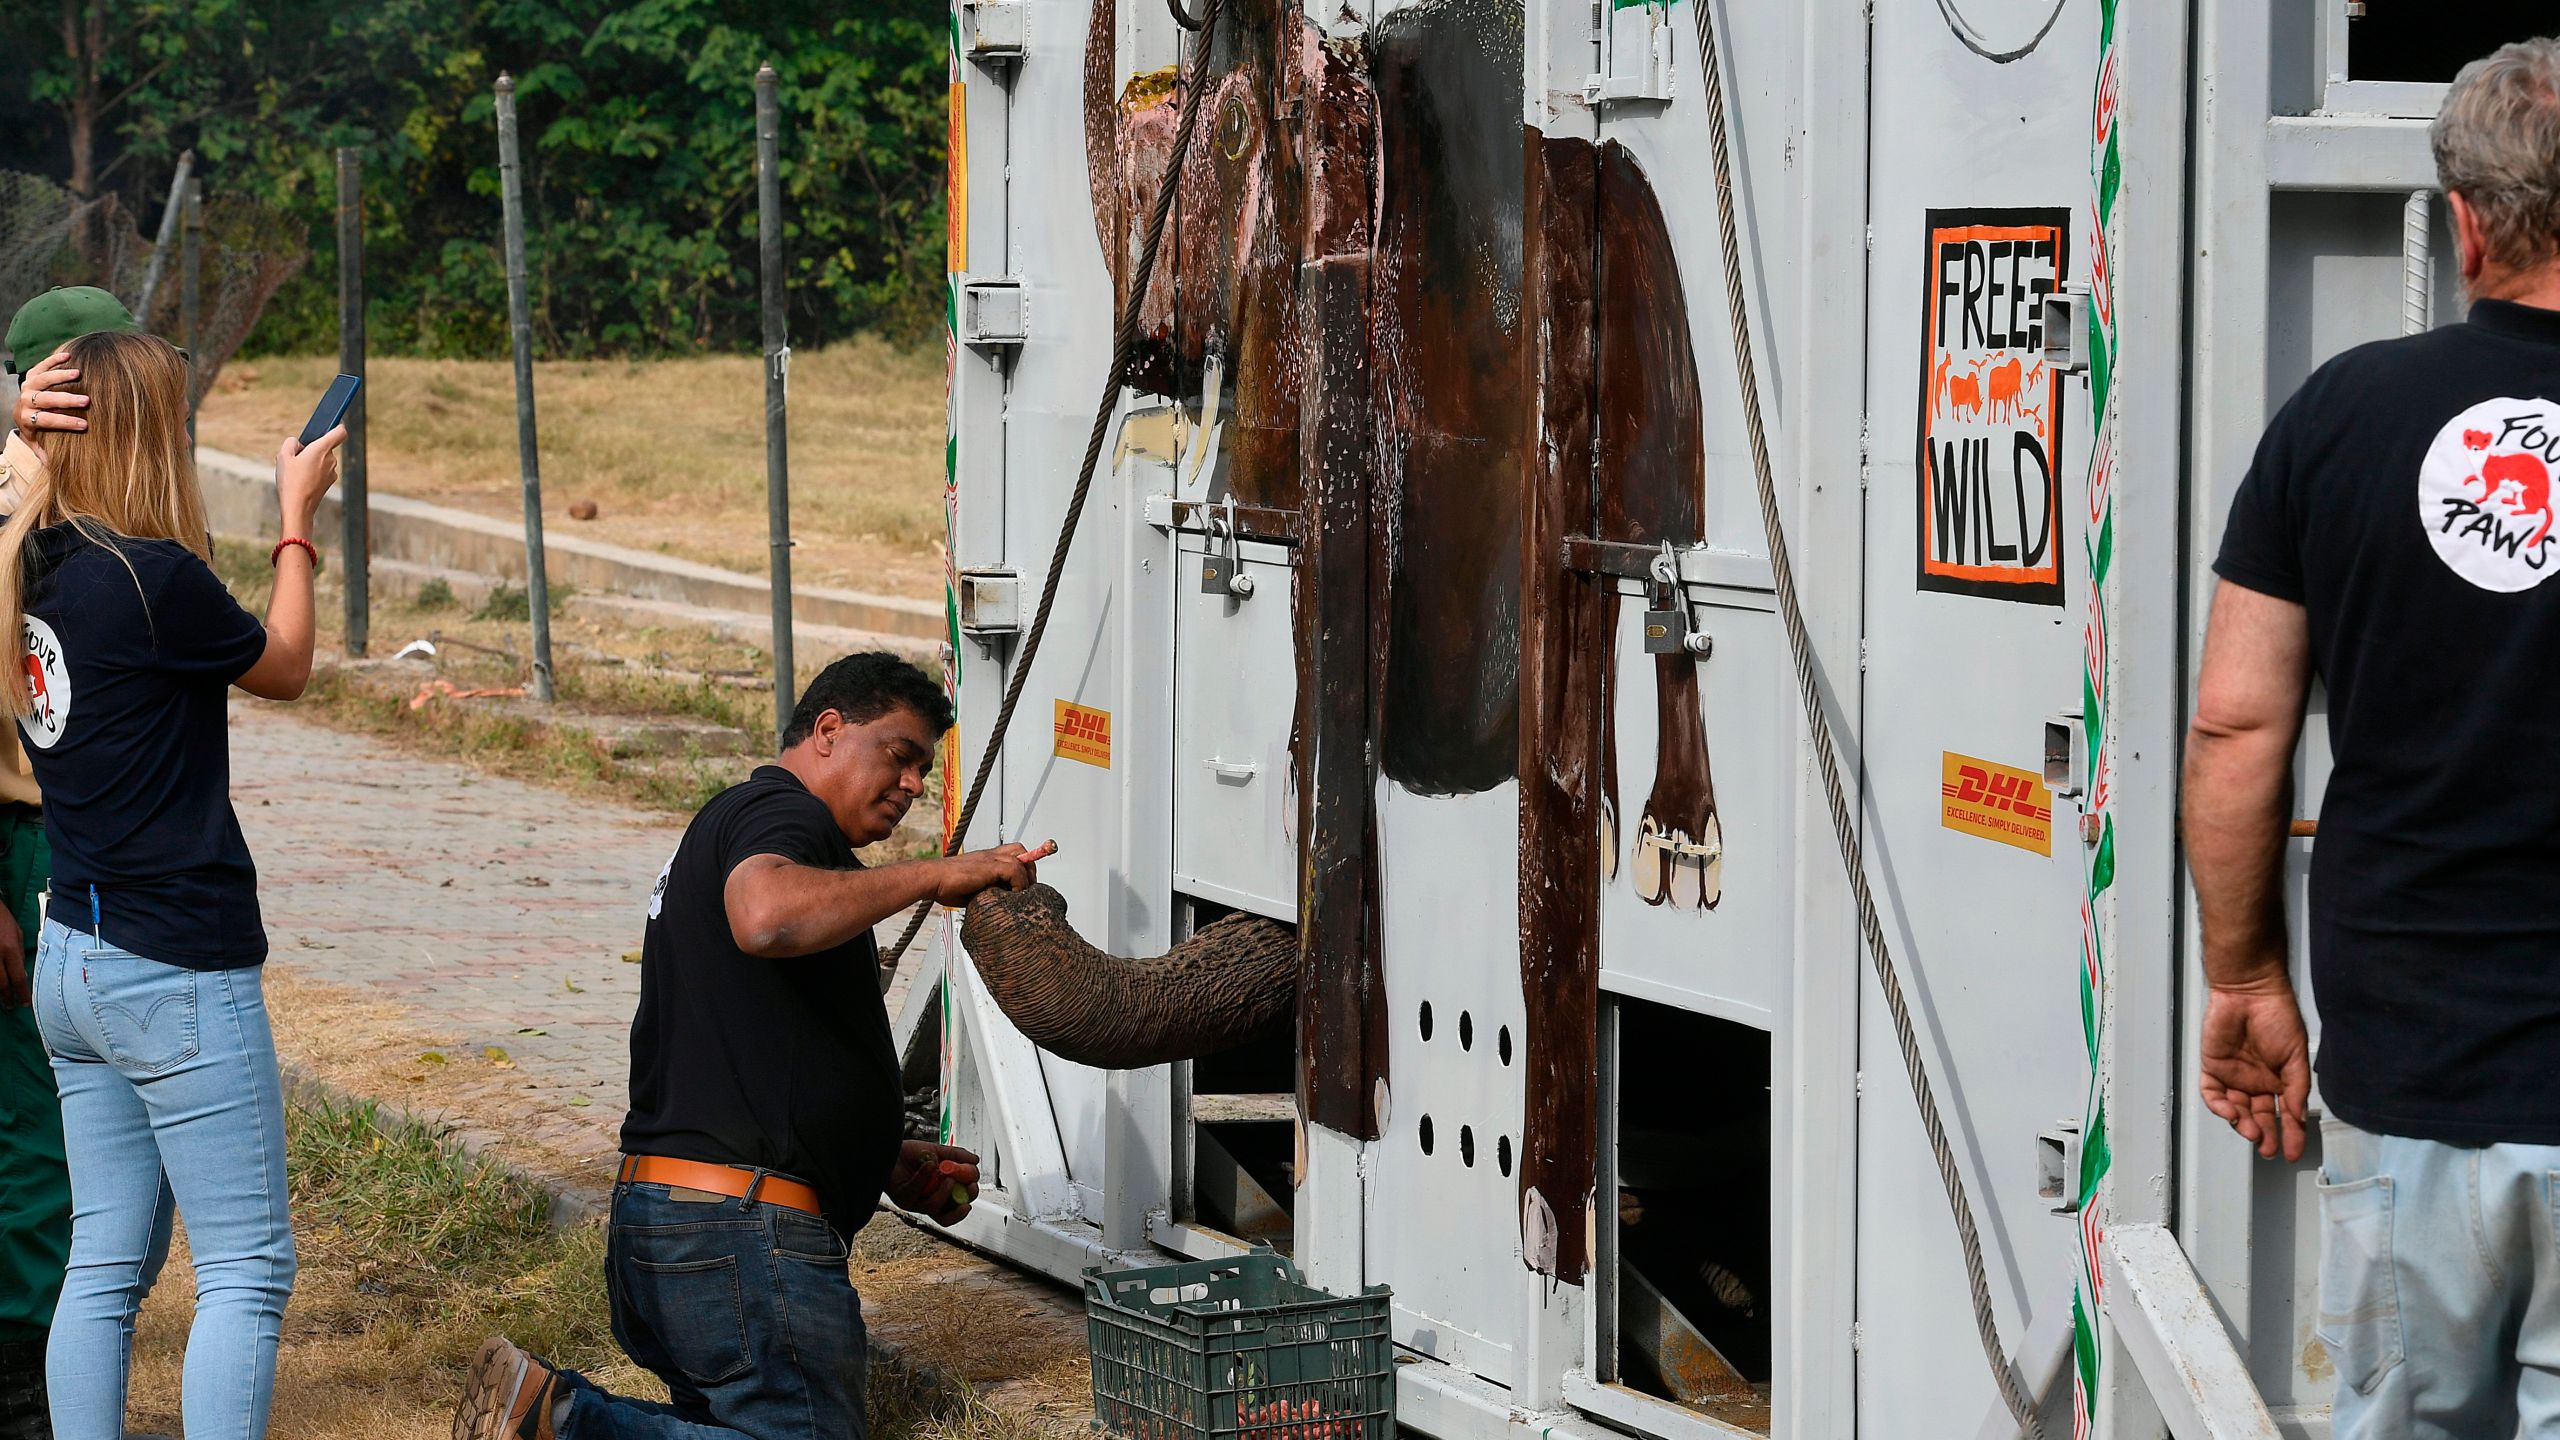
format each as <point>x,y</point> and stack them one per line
<point>640,120</point>
<point>640,152</point>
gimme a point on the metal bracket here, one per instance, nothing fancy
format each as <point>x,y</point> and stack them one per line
<point>990,605</point>
<point>1636,49</point>
<point>2058,1166</point>
<point>994,313</point>
<point>2066,339</point>
<point>998,30</point>
<point>1730,570</point>
<point>2062,767</point>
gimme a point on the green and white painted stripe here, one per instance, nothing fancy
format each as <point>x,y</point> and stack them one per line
<point>2106,173</point>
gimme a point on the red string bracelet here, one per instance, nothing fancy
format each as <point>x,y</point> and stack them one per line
<point>307,548</point>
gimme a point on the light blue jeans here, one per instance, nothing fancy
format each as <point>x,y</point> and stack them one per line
<point>2440,1287</point>
<point>169,1088</point>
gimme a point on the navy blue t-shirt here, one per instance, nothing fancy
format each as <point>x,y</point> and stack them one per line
<point>130,649</point>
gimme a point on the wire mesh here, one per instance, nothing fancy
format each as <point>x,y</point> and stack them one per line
<point>49,236</point>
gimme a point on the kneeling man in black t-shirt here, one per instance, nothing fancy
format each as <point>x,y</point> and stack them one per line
<point>2397,536</point>
<point>766,1109</point>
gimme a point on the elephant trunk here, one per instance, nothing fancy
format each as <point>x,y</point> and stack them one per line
<point>1230,983</point>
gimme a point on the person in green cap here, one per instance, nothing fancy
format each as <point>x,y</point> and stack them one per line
<point>35,1184</point>
<point>35,337</point>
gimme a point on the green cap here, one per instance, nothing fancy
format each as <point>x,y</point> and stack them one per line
<point>59,316</point>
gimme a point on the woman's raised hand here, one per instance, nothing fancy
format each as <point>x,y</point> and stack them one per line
<point>303,475</point>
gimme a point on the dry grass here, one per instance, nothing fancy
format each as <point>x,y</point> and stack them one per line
<point>610,678</point>
<point>411,1253</point>
<point>671,451</point>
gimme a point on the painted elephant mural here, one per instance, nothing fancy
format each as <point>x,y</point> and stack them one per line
<point>1398,152</point>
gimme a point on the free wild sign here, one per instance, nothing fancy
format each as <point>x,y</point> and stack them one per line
<point>1990,517</point>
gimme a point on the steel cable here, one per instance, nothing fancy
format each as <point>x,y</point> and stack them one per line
<point>1124,349</point>
<point>1986,1322</point>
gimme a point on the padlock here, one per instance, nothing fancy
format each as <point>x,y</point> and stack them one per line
<point>1218,566</point>
<point>1666,630</point>
<point>1666,616</point>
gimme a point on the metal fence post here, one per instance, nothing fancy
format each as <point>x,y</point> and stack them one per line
<point>168,232</point>
<point>190,289</point>
<point>355,533</point>
<point>537,588</point>
<point>777,391</point>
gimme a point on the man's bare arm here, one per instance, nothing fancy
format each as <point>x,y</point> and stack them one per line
<point>2255,1055</point>
<point>780,908</point>
<point>2239,779</point>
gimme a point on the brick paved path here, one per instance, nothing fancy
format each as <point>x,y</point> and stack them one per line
<point>461,911</point>
<point>490,913</point>
<point>475,904</point>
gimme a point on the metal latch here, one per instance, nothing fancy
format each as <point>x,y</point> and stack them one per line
<point>990,604</point>
<point>2058,1166</point>
<point>1222,573</point>
<point>997,29</point>
<point>994,312</point>
<point>2066,338</point>
<point>2062,755</point>
<point>1666,617</point>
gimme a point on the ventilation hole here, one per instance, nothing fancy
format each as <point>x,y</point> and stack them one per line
<point>1467,1146</point>
<point>1502,1154</point>
<point>1426,1020</point>
<point>1502,1044</point>
<point>1466,1031</point>
<point>1426,1134</point>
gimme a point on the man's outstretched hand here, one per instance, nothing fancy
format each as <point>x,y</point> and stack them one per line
<point>2257,1065</point>
<point>961,878</point>
<point>940,1181</point>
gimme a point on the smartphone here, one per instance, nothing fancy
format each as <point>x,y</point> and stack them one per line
<point>332,407</point>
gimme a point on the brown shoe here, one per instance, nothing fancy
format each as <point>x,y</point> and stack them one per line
<point>510,1396</point>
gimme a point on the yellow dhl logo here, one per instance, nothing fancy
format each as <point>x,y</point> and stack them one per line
<point>1996,802</point>
<point>1082,733</point>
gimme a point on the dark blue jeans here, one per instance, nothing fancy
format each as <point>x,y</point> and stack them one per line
<point>746,1311</point>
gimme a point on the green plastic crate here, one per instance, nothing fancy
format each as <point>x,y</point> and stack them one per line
<point>1238,1349</point>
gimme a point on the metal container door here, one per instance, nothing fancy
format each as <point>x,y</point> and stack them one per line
<point>1975,552</point>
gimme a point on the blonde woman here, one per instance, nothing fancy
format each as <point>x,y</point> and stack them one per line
<point>147,970</point>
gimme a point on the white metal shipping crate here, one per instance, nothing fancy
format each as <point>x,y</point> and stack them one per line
<point>1437,446</point>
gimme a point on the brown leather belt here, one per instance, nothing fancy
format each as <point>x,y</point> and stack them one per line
<point>736,1181</point>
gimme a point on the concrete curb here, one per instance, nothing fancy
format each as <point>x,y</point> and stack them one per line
<point>470,590</point>
<point>240,501</point>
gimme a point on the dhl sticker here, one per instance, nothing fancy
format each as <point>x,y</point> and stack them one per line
<point>1083,733</point>
<point>950,783</point>
<point>1996,802</point>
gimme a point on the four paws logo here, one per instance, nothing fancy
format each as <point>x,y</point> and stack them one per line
<point>658,892</point>
<point>2484,493</point>
<point>48,681</point>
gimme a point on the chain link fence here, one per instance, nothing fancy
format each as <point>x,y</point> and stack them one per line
<point>49,236</point>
